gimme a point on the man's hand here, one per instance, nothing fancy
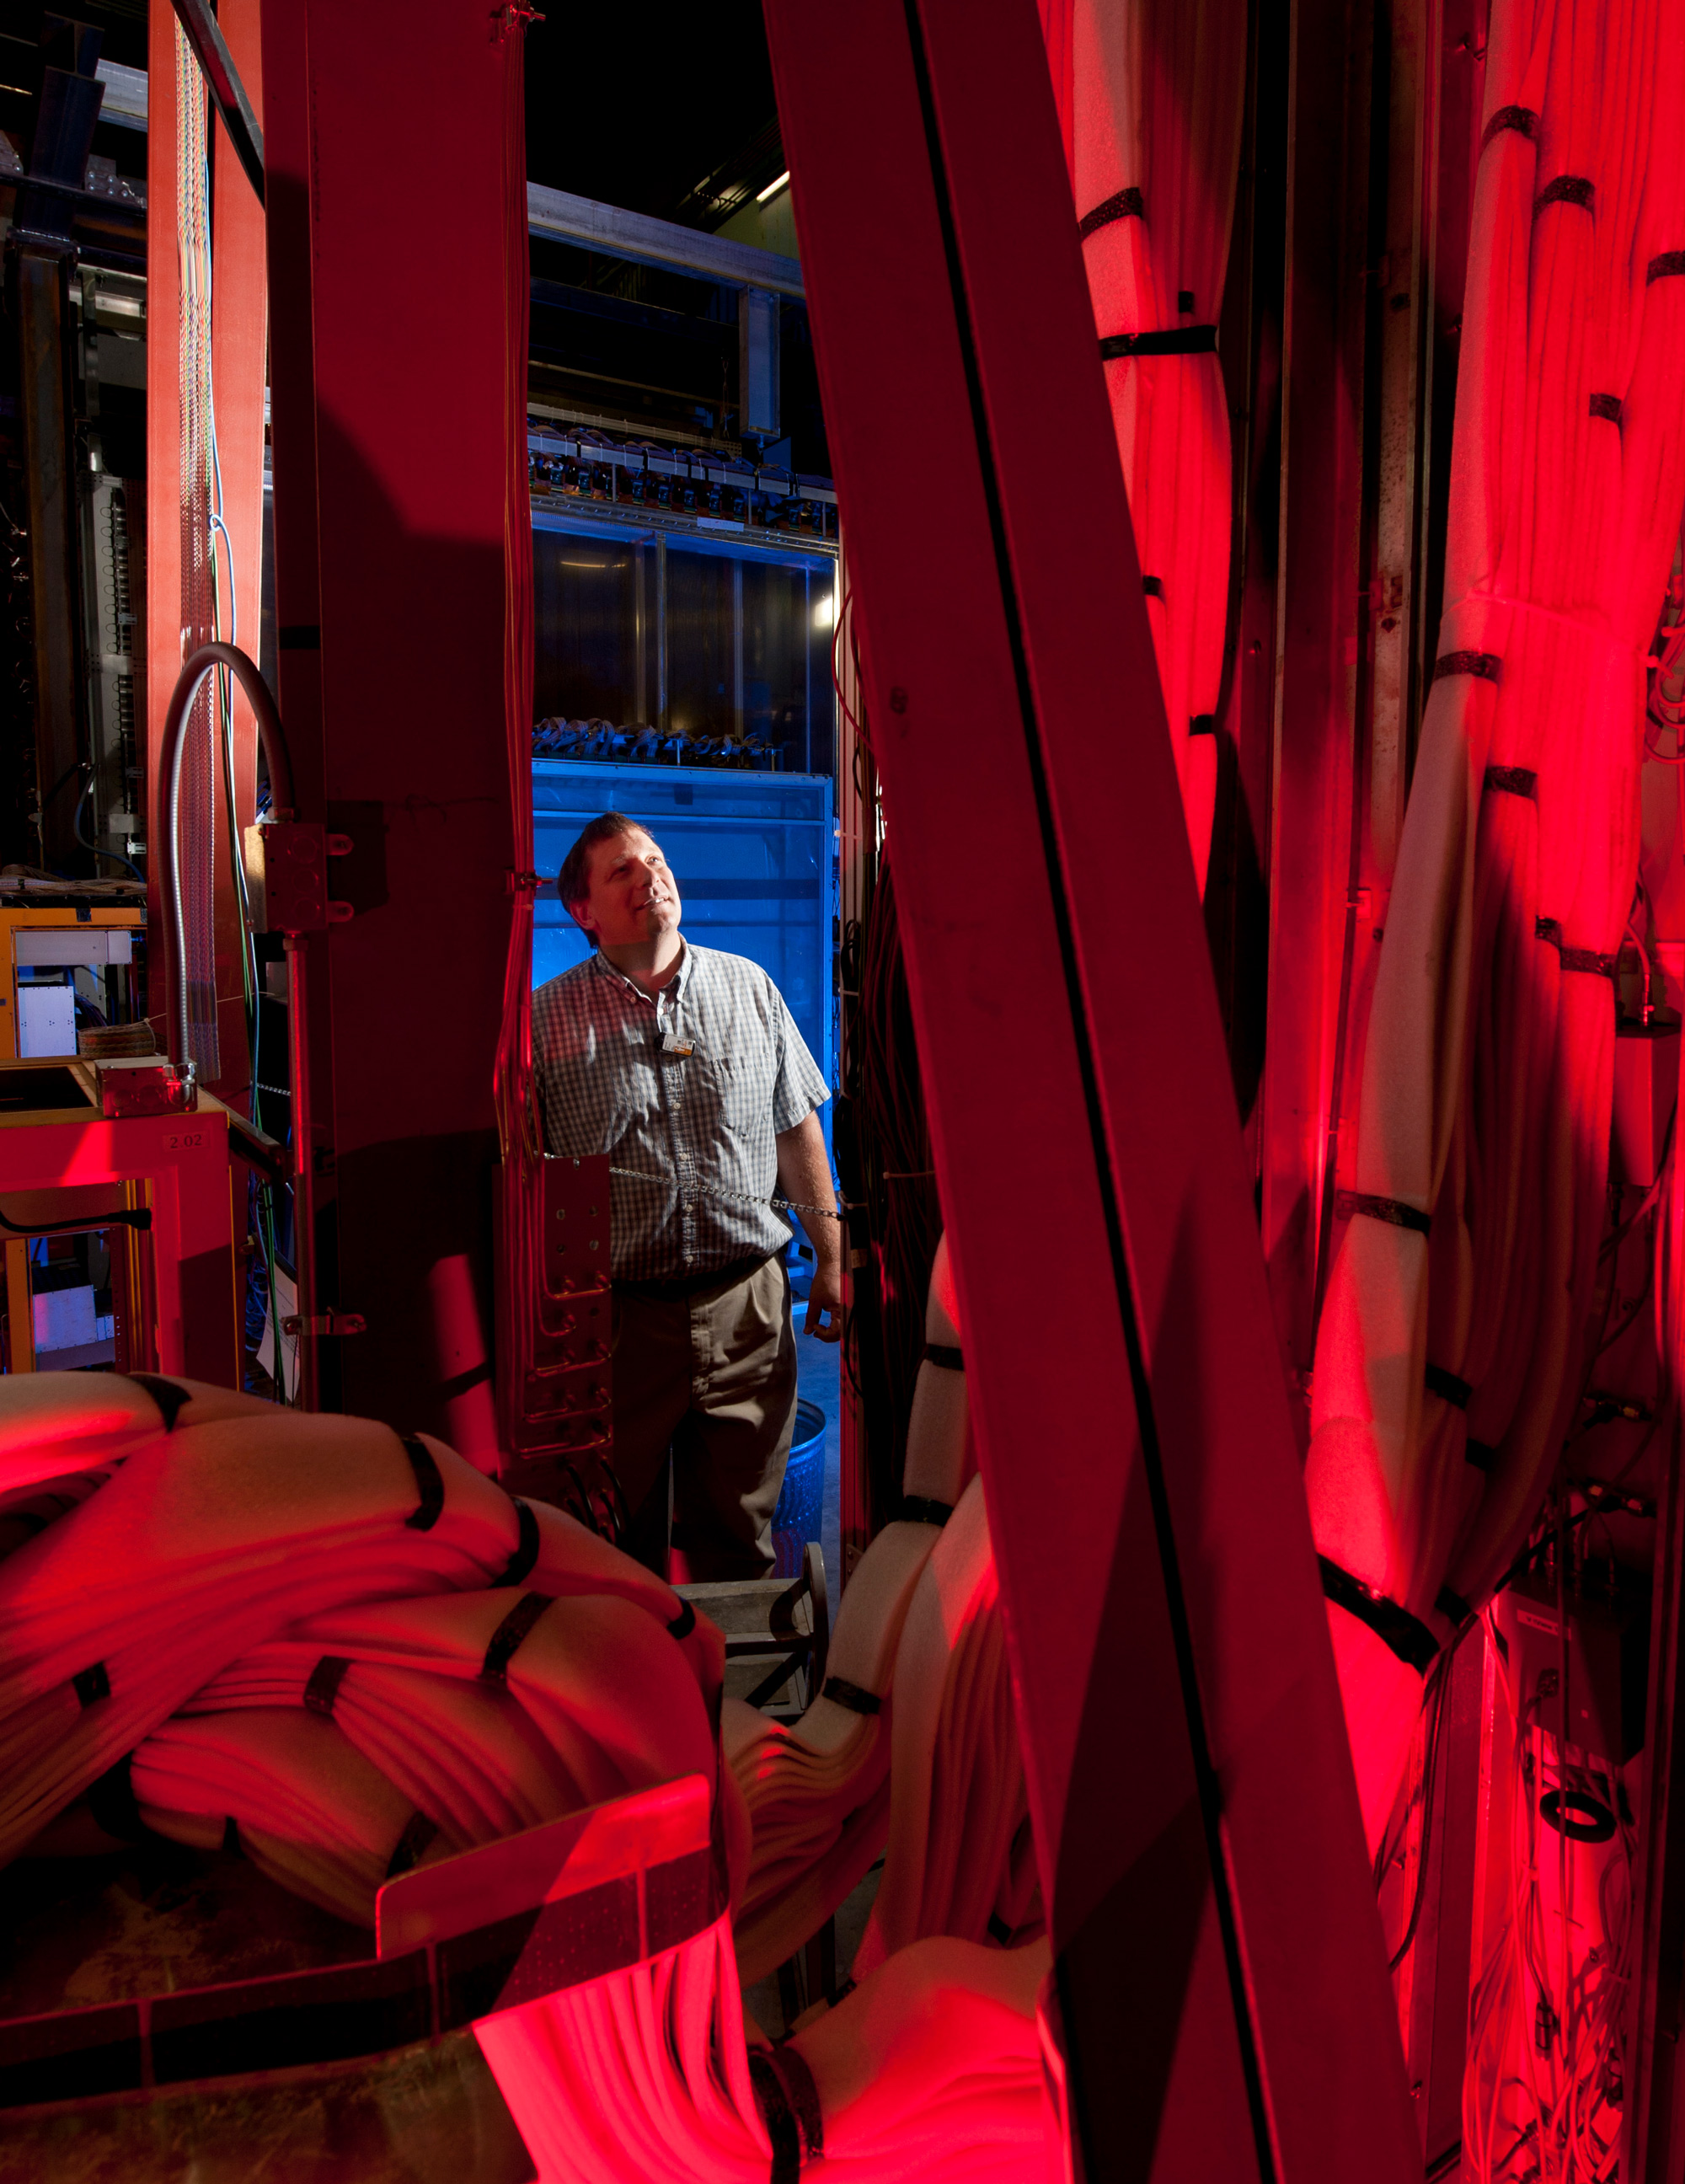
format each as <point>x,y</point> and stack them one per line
<point>825,1305</point>
<point>804,1177</point>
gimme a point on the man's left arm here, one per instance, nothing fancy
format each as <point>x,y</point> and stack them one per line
<point>804,1177</point>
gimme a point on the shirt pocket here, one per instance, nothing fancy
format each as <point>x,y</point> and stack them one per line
<point>729,1094</point>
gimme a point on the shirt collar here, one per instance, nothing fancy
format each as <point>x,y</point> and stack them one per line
<point>675,986</point>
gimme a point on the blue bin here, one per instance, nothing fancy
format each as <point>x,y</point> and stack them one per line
<point>801,1506</point>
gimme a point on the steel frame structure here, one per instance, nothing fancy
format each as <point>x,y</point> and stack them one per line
<point>1223,1994</point>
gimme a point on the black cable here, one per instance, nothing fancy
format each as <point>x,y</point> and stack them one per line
<point>68,774</point>
<point>139,1217</point>
<point>1430,1776</point>
<point>76,829</point>
<point>892,1161</point>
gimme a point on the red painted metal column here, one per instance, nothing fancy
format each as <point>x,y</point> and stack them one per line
<point>1224,2001</point>
<point>1313,928</point>
<point>239,371</point>
<point>398,547</point>
<point>163,637</point>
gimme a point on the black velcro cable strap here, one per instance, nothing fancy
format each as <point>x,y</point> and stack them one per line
<point>1000,1930</point>
<point>779,2118</point>
<point>1483,666</point>
<point>165,1394</point>
<point>1452,1607</point>
<point>1167,341</point>
<point>1393,1210</point>
<point>430,1483</point>
<point>92,1683</point>
<point>1521,118</point>
<point>111,1800</point>
<point>948,1355</point>
<point>1396,1628</point>
<point>1587,960</point>
<point>683,1623</point>
<point>1667,267</point>
<point>839,1690</point>
<point>1122,204</point>
<point>919,1509</point>
<point>519,1567</point>
<point>415,1839</point>
<point>1460,1394</point>
<point>1154,587</point>
<point>1202,724</point>
<point>1605,405</point>
<point>1567,189</point>
<point>511,1633</point>
<point>323,1688</point>
<point>1512,781</point>
<point>803,2095</point>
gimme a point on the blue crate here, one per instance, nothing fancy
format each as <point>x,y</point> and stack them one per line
<point>800,1514</point>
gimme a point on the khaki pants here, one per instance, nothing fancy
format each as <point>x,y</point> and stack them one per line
<point>713,1375</point>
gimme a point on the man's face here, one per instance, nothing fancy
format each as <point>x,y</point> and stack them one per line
<point>633,897</point>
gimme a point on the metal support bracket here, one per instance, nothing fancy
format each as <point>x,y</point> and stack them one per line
<point>324,1323</point>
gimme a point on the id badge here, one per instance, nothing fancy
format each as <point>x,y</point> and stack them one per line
<point>674,1042</point>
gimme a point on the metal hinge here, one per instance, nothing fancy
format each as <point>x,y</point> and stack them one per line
<point>326,1322</point>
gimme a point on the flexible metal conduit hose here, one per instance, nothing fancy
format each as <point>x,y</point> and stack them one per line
<point>205,662</point>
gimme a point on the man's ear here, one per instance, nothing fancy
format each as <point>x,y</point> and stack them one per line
<point>580,914</point>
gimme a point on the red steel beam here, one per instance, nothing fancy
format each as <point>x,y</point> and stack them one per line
<point>400,549</point>
<point>1224,1996</point>
<point>240,370</point>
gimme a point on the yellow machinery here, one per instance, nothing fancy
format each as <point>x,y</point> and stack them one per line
<point>61,943</point>
<point>103,1152</point>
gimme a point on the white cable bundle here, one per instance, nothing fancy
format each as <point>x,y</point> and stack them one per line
<point>53,1424</point>
<point>310,1811</point>
<point>930,2068</point>
<point>958,1801</point>
<point>1154,103</point>
<point>483,1663</point>
<point>816,1791</point>
<point>466,1754</point>
<point>603,1682</point>
<point>204,1543</point>
<point>1451,1350</point>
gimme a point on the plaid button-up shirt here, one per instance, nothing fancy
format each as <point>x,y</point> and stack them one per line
<point>690,1089</point>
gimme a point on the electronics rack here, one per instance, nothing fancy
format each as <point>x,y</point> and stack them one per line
<point>677,489</point>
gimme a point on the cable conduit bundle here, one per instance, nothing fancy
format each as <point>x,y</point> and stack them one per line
<point>1151,94</point>
<point>817,1793</point>
<point>930,2068</point>
<point>1487,1069</point>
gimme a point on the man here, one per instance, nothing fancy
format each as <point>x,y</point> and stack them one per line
<point>683,1065</point>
